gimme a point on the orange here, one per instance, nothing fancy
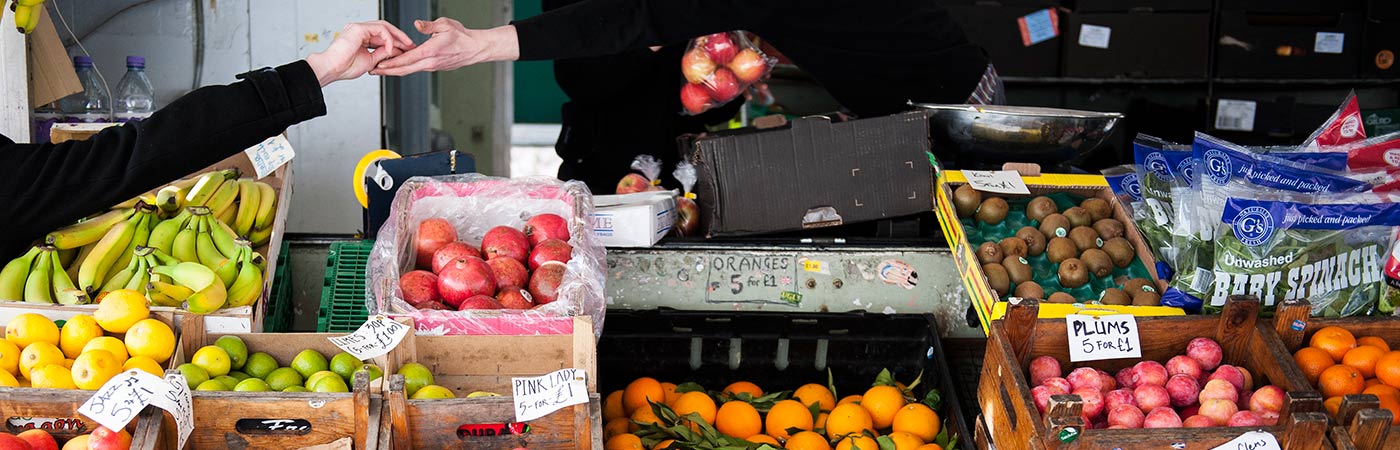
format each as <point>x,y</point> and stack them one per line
<point>736,418</point>
<point>1374,382</point>
<point>744,386</point>
<point>850,399</point>
<point>807,440</point>
<point>1340,380</point>
<point>847,419</point>
<point>763,439</point>
<point>812,392</point>
<point>1363,359</point>
<point>1382,391</point>
<point>1374,342</point>
<point>1388,369</point>
<point>857,443</point>
<point>642,416</point>
<point>696,402</point>
<point>905,441</point>
<point>1332,404</point>
<point>820,424</point>
<point>930,447</point>
<point>663,444</point>
<point>624,441</point>
<point>787,414</point>
<point>639,392</point>
<point>1333,340</point>
<point>1392,403</point>
<point>612,407</point>
<point>615,427</point>
<point>882,402</point>
<point>919,420</point>
<point>1312,361</point>
<point>669,391</point>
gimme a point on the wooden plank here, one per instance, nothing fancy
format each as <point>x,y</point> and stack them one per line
<point>1369,429</point>
<point>14,81</point>
<point>398,414</point>
<point>1305,431</point>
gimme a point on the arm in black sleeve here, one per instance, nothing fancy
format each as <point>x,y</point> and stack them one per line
<point>605,27</point>
<point>47,186</point>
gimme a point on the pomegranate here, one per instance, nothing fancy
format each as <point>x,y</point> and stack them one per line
<point>546,226</point>
<point>465,278</point>
<point>432,305</point>
<point>508,273</point>
<point>479,302</point>
<point>432,235</point>
<point>419,286</point>
<point>550,250</point>
<point>515,299</point>
<point>544,283</point>
<point>452,252</point>
<point>505,242</point>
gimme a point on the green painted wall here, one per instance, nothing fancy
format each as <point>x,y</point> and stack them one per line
<point>537,97</point>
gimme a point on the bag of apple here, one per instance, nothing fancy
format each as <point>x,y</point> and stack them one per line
<point>478,255</point>
<point>646,176</point>
<point>718,68</point>
<point>687,212</point>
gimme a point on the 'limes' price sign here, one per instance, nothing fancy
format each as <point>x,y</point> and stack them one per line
<point>122,398</point>
<point>375,337</point>
<point>177,401</point>
<point>1253,440</point>
<point>538,396</point>
<point>1092,338</point>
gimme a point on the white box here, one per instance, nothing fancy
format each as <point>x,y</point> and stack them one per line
<point>633,220</point>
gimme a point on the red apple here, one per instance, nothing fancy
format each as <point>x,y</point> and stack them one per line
<point>505,242</point>
<point>39,439</point>
<point>432,235</point>
<point>451,252</point>
<point>697,66</point>
<point>546,226</point>
<point>515,299</point>
<point>748,65</point>
<point>419,286</point>
<point>1205,351</point>
<point>105,439</point>
<point>465,278</point>
<point>632,184</point>
<point>719,47</point>
<point>722,86</point>
<point>10,442</point>
<point>1043,368</point>
<point>687,217</point>
<point>508,273</point>
<point>550,250</point>
<point>479,302</point>
<point>1162,417</point>
<point>544,283</point>
<point>694,98</point>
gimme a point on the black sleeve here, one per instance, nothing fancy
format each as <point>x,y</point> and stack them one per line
<point>47,186</point>
<point>605,27</point>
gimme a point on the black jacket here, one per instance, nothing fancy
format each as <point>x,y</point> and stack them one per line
<point>46,186</point>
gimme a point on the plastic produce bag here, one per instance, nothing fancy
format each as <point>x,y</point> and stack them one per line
<point>1165,175</point>
<point>647,176</point>
<point>473,204</point>
<point>687,212</point>
<point>1343,127</point>
<point>1378,152</point>
<point>718,68</point>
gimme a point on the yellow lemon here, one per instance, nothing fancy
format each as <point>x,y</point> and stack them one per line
<point>9,357</point>
<point>112,345</point>
<point>145,364</point>
<point>212,359</point>
<point>93,368</point>
<point>69,363</point>
<point>52,376</point>
<point>121,309</point>
<point>151,338</point>
<point>76,333</point>
<point>29,328</point>
<point>7,380</point>
<point>39,354</point>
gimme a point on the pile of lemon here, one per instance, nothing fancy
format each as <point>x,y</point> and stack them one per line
<point>89,350</point>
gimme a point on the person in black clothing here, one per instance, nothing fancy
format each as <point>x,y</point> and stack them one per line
<point>874,57</point>
<point>47,186</point>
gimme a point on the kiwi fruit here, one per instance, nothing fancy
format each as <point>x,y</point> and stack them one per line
<point>1035,242</point>
<point>1078,217</point>
<point>1040,207</point>
<point>1017,269</point>
<point>1098,208</point>
<point>1120,250</point>
<point>1073,274</point>
<point>989,252</point>
<point>992,211</point>
<point>997,278</point>
<point>1097,261</point>
<point>1147,299</point>
<point>1115,296</point>
<point>1030,289</point>
<point>1013,246</point>
<point>1085,238</point>
<point>1059,249</point>
<point>1108,228</point>
<point>1136,285</point>
<point>966,199</point>
<point>1054,225</point>
<point>1060,297</point>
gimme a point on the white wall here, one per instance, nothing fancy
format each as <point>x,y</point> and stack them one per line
<point>14,82</point>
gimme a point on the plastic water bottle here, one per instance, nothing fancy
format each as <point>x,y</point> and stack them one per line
<point>91,105</point>
<point>135,99</point>
<point>44,118</point>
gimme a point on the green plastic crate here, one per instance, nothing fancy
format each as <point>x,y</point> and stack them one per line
<point>279,301</point>
<point>343,294</point>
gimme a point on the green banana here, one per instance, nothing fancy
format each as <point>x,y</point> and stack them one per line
<point>163,235</point>
<point>162,258</point>
<point>261,236</point>
<point>258,260</point>
<point>13,276</point>
<point>205,188</point>
<point>148,199</point>
<point>140,237</point>
<point>248,286</point>
<point>184,248</point>
<point>94,269</point>
<point>38,287</point>
<point>208,253</point>
<point>63,289</point>
<point>224,238</point>
<point>140,277</point>
<point>170,198</point>
<point>175,292</point>
<point>248,201</point>
<point>121,277</point>
<point>267,205</point>
<point>87,231</point>
<point>66,257</point>
<point>83,253</point>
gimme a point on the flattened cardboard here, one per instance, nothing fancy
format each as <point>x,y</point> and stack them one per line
<point>51,74</point>
<point>814,173</point>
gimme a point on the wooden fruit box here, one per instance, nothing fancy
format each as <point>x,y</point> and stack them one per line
<point>466,364</point>
<point>269,420</point>
<point>1363,425</point>
<point>1013,423</point>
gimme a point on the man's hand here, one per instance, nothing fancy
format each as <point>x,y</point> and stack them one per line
<point>357,49</point>
<point>451,46</point>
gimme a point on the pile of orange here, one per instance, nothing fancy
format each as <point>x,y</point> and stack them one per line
<point>1340,364</point>
<point>844,425</point>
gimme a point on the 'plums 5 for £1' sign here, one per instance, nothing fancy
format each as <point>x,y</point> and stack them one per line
<point>1093,338</point>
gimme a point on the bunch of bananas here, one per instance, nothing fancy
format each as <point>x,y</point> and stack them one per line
<point>189,244</point>
<point>27,14</point>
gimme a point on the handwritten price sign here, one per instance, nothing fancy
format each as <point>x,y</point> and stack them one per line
<point>1092,338</point>
<point>375,337</point>
<point>998,181</point>
<point>122,398</point>
<point>177,400</point>
<point>269,155</point>
<point>537,397</point>
<point>1253,440</point>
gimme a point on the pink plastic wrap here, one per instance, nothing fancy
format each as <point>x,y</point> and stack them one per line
<point>718,68</point>
<point>472,205</point>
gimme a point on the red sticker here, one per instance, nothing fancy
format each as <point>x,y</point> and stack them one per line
<point>492,429</point>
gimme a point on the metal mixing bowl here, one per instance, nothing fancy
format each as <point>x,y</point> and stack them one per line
<point>976,135</point>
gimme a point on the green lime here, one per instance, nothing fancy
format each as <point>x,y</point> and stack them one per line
<point>237,351</point>
<point>252,385</point>
<point>212,385</point>
<point>308,362</point>
<point>283,378</point>
<point>432,391</point>
<point>296,389</point>
<point>228,380</point>
<point>259,365</point>
<point>311,380</point>
<point>330,384</point>
<point>240,376</point>
<point>345,364</point>
<point>194,375</point>
<point>415,376</point>
<point>375,372</point>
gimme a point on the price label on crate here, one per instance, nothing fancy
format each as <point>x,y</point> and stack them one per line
<point>177,401</point>
<point>1253,440</point>
<point>123,397</point>
<point>538,396</point>
<point>271,154</point>
<point>375,337</point>
<point>1092,338</point>
<point>998,181</point>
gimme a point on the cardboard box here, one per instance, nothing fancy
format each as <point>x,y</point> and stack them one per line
<point>1131,44</point>
<point>383,178</point>
<point>1382,42</point>
<point>1381,121</point>
<point>633,220</point>
<point>1282,46</point>
<point>813,173</point>
<point>990,306</point>
<point>1293,6</point>
<point>997,29</point>
<point>1084,6</point>
<point>51,74</point>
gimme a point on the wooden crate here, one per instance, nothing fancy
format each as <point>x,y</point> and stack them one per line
<point>229,420</point>
<point>1013,423</point>
<point>487,363</point>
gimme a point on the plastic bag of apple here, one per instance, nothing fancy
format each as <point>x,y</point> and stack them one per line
<point>718,68</point>
<point>1191,390</point>
<point>478,255</point>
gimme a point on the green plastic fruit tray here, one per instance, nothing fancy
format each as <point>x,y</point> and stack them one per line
<point>343,294</point>
<point>279,301</point>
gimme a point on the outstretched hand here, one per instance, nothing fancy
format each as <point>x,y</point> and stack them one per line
<point>357,49</point>
<point>451,46</point>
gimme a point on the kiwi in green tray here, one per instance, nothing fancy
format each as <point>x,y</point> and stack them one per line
<point>1120,251</point>
<point>1136,285</point>
<point>1109,228</point>
<point>1035,242</point>
<point>1098,208</point>
<point>1054,225</point>
<point>1073,273</point>
<point>989,252</point>
<point>1059,249</point>
<point>997,278</point>
<point>966,200</point>
<point>1017,268</point>
<point>1078,217</point>
<point>1115,296</point>
<point>1098,262</point>
<point>1013,246</point>
<point>1040,207</point>
<point>1060,297</point>
<point>1147,299</point>
<point>992,211</point>
<point>1030,289</point>
<point>1085,238</point>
